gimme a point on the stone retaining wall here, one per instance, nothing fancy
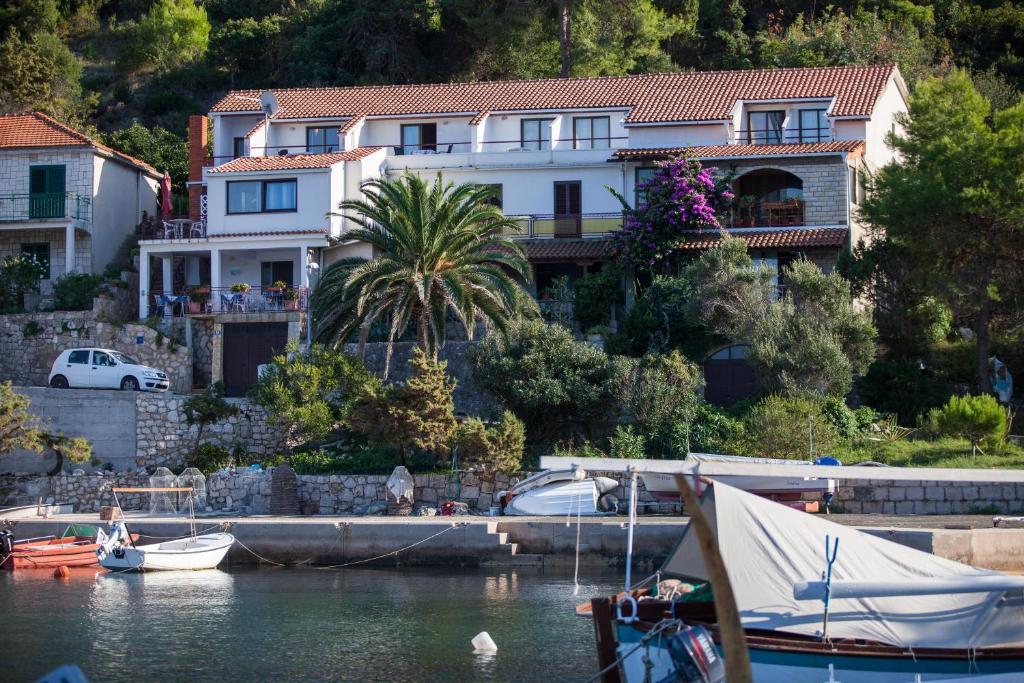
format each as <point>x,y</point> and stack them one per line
<point>929,498</point>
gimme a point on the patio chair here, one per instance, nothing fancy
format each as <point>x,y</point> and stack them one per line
<point>196,229</point>
<point>170,230</point>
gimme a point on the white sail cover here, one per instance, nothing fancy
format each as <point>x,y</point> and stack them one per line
<point>769,548</point>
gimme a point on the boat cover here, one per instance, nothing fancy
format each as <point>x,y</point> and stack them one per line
<point>768,548</point>
<point>561,498</point>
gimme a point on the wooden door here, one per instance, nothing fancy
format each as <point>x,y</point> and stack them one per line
<point>246,347</point>
<point>568,208</point>
<point>728,376</point>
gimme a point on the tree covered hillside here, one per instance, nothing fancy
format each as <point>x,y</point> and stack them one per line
<point>109,63</point>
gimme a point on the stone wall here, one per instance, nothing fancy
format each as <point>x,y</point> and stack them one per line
<point>824,185</point>
<point>30,342</point>
<point>929,498</point>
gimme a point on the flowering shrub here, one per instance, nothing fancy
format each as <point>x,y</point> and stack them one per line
<point>682,195</point>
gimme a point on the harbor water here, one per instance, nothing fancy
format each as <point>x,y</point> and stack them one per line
<point>300,624</point>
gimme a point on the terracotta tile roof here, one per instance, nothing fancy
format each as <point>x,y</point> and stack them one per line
<point>255,129</point>
<point>772,238</point>
<point>560,249</point>
<point>733,151</point>
<point>480,117</point>
<point>651,98</point>
<point>351,123</point>
<point>36,129</point>
<point>293,161</point>
<point>271,233</point>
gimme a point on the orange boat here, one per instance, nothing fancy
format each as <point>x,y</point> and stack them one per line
<point>72,549</point>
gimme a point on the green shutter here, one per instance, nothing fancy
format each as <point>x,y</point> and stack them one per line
<point>37,179</point>
<point>55,179</point>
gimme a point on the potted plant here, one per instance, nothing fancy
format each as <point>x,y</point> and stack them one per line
<point>744,216</point>
<point>198,297</point>
<point>278,286</point>
<point>241,288</point>
<point>291,299</point>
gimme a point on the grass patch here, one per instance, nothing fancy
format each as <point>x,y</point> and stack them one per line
<point>944,452</point>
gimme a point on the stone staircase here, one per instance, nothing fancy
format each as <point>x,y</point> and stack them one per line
<point>508,552</point>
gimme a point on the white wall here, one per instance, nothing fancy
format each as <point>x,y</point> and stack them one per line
<point>313,201</point>
<point>388,132</point>
<point>121,194</point>
<point>245,266</point>
<point>677,136</point>
<point>226,129</point>
<point>891,102</point>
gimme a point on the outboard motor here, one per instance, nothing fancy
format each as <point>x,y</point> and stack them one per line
<point>6,542</point>
<point>113,544</point>
<point>694,657</point>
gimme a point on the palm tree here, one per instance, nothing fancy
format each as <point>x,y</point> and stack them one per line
<point>441,248</point>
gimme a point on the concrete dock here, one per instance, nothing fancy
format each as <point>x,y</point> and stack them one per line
<point>521,541</point>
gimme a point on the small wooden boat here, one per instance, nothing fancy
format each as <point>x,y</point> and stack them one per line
<point>74,548</point>
<point>192,552</point>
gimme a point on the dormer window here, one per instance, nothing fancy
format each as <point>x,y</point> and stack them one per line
<point>814,126</point>
<point>322,139</point>
<point>765,127</point>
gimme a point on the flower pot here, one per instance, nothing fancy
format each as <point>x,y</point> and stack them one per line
<point>194,307</point>
<point>291,304</point>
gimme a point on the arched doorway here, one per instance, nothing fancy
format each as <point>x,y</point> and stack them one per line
<point>768,197</point>
<point>728,376</point>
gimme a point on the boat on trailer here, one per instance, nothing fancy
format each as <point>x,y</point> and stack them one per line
<point>867,611</point>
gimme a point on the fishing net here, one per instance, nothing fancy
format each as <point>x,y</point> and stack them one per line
<point>163,502</point>
<point>192,478</point>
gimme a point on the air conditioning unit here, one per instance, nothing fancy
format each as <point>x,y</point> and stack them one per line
<point>518,149</point>
<point>282,152</point>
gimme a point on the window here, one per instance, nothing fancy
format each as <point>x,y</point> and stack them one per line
<point>46,191</point>
<point>535,133</point>
<point>591,132</point>
<point>322,139</point>
<point>244,196</point>
<point>276,271</point>
<point>40,253</point>
<point>127,360</point>
<point>497,198</point>
<point>568,198</point>
<point>240,147</point>
<point>642,176</point>
<point>765,127</point>
<point>279,195</point>
<point>267,196</point>
<point>813,125</point>
<point>419,137</point>
<point>856,188</point>
<point>100,358</point>
<point>79,357</point>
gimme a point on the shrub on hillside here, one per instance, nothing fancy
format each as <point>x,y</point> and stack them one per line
<point>495,448</point>
<point>75,291</point>
<point>979,419</point>
<point>18,275</point>
<point>902,387</point>
<point>209,458</point>
<point>782,427</point>
<point>596,293</point>
<point>627,443</point>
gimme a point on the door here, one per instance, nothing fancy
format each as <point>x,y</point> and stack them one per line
<point>46,192</point>
<point>104,372</point>
<point>728,376</point>
<point>277,271</point>
<point>77,368</point>
<point>568,208</point>
<point>246,347</point>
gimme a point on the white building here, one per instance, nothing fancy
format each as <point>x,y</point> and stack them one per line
<point>65,199</point>
<point>795,140</point>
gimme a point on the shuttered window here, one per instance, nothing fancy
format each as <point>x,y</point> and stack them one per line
<point>568,198</point>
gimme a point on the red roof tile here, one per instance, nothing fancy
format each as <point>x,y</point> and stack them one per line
<point>293,161</point>
<point>351,123</point>
<point>559,249</point>
<point>255,129</point>
<point>773,238</point>
<point>480,117</point>
<point>651,98</point>
<point>271,233</point>
<point>733,151</point>
<point>36,129</point>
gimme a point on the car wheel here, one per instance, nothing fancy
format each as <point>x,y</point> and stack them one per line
<point>130,384</point>
<point>59,382</point>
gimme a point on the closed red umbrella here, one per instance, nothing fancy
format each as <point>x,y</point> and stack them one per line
<point>165,190</point>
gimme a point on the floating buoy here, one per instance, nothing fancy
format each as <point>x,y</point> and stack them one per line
<point>61,572</point>
<point>483,642</point>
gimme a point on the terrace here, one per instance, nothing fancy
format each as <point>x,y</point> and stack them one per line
<point>45,206</point>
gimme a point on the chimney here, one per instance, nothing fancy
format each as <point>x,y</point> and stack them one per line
<point>198,136</point>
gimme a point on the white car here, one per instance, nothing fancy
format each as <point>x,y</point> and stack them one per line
<point>104,369</point>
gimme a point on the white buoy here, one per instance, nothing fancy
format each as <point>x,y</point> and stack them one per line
<point>483,642</point>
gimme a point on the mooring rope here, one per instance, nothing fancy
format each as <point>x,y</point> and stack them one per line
<point>660,627</point>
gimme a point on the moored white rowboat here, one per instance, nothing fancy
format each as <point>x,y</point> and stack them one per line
<point>200,552</point>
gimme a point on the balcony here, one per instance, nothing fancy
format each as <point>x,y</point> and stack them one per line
<point>768,214</point>
<point>205,301</point>
<point>45,206</point>
<point>582,225</point>
<point>782,136</point>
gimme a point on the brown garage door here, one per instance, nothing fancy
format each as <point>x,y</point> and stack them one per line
<point>247,346</point>
<point>728,376</point>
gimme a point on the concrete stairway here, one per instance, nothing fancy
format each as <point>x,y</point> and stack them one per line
<point>513,558</point>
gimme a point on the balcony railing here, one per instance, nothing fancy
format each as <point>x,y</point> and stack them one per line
<point>208,300</point>
<point>581,225</point>
<point>45,206</point>
<point>760,214</point>
<point>174,228</point>
<point>782,136</point>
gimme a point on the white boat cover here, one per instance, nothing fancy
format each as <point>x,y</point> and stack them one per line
<point>769,548</point>
<point>562,498</point>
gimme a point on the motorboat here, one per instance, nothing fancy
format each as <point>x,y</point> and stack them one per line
<point>561,492</point>
<point>867,611</point>
<point>76,547</point>
<point>193,552</point>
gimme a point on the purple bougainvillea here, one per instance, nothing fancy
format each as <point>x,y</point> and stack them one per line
<point>682,195</point>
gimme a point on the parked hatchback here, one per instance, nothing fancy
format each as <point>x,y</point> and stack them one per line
<point>104,369</point>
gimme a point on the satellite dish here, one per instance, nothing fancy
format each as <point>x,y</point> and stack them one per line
<point>268,103</point>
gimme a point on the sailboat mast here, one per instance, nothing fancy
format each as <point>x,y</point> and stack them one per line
<point>632,523</point>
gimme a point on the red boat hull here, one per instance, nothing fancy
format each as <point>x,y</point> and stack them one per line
<point>70,551</point>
